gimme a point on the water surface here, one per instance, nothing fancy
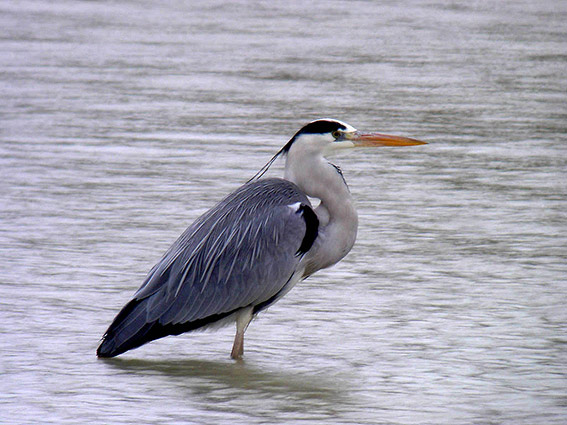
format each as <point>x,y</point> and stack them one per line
<point>121,122</point>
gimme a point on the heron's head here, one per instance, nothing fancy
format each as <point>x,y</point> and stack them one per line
<point>323,136</point>
<point>327,135</point>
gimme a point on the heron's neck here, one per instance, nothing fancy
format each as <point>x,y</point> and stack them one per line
<point>338,219</point>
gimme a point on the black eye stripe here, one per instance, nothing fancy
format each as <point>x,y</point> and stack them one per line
<point>322,126</point>
<point>315,127</point>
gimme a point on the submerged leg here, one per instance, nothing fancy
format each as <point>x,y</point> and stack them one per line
<point>243,319</point>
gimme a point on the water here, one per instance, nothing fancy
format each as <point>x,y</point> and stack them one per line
<point>121,122</point>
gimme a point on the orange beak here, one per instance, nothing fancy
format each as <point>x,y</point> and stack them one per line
<point>377,139</point>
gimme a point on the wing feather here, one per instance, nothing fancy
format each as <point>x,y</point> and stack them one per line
<point>242,252</point>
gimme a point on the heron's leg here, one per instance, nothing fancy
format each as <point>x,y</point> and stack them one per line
<point>243,319</point>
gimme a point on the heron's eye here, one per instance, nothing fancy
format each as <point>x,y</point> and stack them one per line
<point>336,134</point>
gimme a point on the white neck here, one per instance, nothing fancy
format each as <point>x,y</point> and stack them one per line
<point>338,221</point>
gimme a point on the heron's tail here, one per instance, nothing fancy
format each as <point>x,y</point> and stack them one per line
<point>129,330</point>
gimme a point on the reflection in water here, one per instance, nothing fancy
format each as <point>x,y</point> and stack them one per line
<point>237,375</point>
<point>237,384</point>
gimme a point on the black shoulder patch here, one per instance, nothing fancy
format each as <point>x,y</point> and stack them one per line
<point>311,228</point>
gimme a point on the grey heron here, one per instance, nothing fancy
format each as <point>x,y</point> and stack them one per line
<point>247,252</point>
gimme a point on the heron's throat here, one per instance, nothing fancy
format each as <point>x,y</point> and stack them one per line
<point>320,179</point>
<point>336,213</point>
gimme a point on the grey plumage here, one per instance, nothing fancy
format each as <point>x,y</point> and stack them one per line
<point>241,253</point>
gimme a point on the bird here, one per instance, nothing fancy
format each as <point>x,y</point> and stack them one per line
<point>253,247</point>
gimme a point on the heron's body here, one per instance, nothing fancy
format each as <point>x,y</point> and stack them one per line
<point>248,251</point>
